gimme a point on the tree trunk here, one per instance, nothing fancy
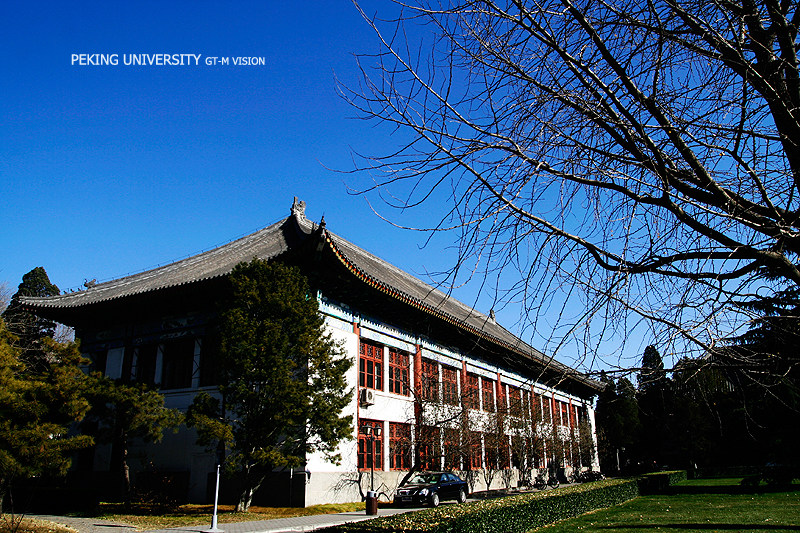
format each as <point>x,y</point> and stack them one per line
<point>252,484</point>
<point>3,492</point>
<point>124,469</point>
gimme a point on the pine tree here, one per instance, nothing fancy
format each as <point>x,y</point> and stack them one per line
<point>29,329</point>
<point>652,373</point>
<point>37,408</point>
<point>283,378</point>
<point>121,412</point>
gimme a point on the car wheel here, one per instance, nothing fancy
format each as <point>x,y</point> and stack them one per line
<point>434,500</point>
<point>462,496</point>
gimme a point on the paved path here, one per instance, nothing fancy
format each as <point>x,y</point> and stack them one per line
<point>277,525</point>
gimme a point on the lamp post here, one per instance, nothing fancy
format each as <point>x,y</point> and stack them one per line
<point>372,432</point>
<point>220,454</point>
<point>220,459</point>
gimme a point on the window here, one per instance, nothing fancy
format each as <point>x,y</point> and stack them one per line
<point>536,407</point>
<point>177,364</point>
<point>450,385</point>
<point>501,397</point>
<point>370,366</point>
<point>517,452</point>
<point>398,372</point>
<point>471,396</point>
<point>370,444</point>
<point>145,371</point>
<point>452,450</point>
<point>428,446</point>
<point>209,361</point>
<point>546,410</point>
<point>564,413</point>
<point>526,402</point>
<point>491,455</point>
<point>97,360</point>
<point>429,380</point>
<point>475,451</point>
<point>504,456</point>
<point>399,446</point>
<point>487,387</point>
<point>515,400</point>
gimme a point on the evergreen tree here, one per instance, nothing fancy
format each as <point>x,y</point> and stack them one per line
<point>654,397</point>
<point>768,385</point>
<point>37,408</point>
<point>121,412</point>
<point>652,374</point>
<point>609,424</point>
<point>283,378</point>
<point>29,329</point>
<point>631,426</point>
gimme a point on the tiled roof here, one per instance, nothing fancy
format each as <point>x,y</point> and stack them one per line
<point>279,238</point>
<point>265,244</point>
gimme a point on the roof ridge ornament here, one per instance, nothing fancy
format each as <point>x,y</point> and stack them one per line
<point>299,208</point>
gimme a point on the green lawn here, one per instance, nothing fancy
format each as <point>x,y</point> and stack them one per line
<point>705,505</point>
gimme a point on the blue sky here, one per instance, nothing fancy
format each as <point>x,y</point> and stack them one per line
<point>112,169</point>
<point>105,170</point>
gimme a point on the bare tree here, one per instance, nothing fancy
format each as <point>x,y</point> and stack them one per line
<point>5,295</point>
<point>640,158</point>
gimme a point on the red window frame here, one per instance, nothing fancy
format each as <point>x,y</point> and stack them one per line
<point>518,445</point>
<point>429,380</point>
<point>487,388</point>
<point>449,385</point>
<point>428,448</point>
<point>564,413</point>
<point>452,450</point>
<point>399,364</point>
<point>504,456</point>
<point>399,446</point>
<point>364,441</point>
<point>515,400</point>
<point>491,456</point>
<point>536,408</point>
<point>471,395</point>
<point>370,365</point>
<point>547,411</point>
<point>475,455</point>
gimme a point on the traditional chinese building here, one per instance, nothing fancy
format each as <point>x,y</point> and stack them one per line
<point>435,381</point>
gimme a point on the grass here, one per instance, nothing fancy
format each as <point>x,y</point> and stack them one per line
<point>705,505</point>
<point>154,517</point>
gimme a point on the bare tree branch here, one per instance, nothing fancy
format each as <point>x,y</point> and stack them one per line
<point>631,159</point>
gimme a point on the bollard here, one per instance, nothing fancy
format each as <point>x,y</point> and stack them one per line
<point>372,502</point>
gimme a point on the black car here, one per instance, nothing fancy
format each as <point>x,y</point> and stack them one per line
<point>432,487</point>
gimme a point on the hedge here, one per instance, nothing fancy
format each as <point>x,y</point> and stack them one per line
<point>518,513</point>
<point>657,482</point>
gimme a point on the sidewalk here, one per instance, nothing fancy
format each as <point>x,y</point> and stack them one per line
<point>277,525</point>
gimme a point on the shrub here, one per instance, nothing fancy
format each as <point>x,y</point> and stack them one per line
<point>657,482</point>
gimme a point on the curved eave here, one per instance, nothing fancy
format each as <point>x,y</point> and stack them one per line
<point>439,313</point>
<point>266,243</point>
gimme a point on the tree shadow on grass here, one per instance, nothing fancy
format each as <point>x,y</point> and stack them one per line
<point>734,490</point>
<point>711,526</point>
